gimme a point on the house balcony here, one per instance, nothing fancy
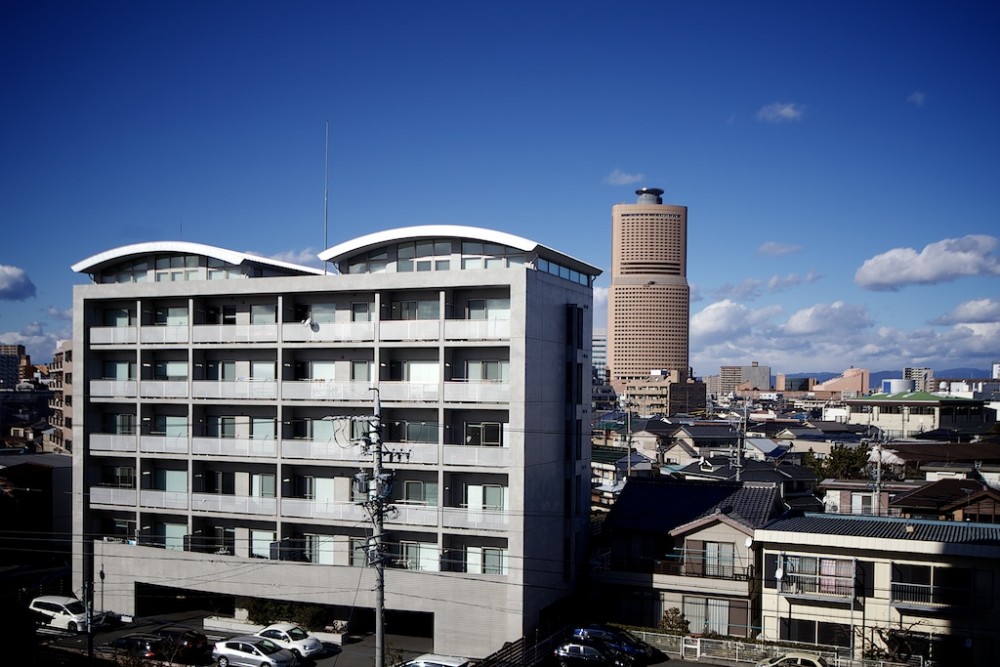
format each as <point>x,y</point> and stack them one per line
<point>477,329</point>
<point>304,508</point>
<point>414,452</point>
<point>463,517</point>
<point>477,456</point>
<point>113,388</point>
<point>169,500</point>
<point>409,330</point>
<point>163,444</point>
<point>238,389</point>
<point>817,587</point>
<point>409,392</point>
<point>322,390</point>
<point>927,599</point>
<point>244,447</point>
<point>112,495</point>
<point>233,504</point>
<point>234,333</point>
<point>321,450</point>
<point>477,392</point>
<point>113,442</point>
<point>164,334</point>
<point>163,389</point>
<point>328,332</point>
<point>412,514</point>
<point>113,335</point>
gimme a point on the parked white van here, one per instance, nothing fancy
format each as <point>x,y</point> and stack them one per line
<point>63,612</point>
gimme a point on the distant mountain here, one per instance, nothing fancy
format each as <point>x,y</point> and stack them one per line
<point>877,377</point>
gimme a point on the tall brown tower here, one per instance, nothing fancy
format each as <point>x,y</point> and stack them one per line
<point>649,299</point>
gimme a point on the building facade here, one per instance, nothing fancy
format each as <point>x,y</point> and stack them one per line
<point>59,437</point>
<point>923,378</point>
<point>649,298</point>
<point>220,399</point>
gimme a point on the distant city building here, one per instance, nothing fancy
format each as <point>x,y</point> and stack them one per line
<point>649,298</point>
<point>666,395</point>
<point>783,383</point>
<point>852,382</point>
<point>753,377</point>
<point>923,378</point>
<point>59,437</point>
<point>599,353</point>
<point>13,362</point>
<point>996,370</point>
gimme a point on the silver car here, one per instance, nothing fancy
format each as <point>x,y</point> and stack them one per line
<point>252,651</point>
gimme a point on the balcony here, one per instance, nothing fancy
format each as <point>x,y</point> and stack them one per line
<point>113,335</point>
<point>163,389</point>
<point>817,587</point>
<point>328,332</point>
<point>482,457</point>
<point>239,389</point>
<point>409,392</point>
<point>112,495</point>
<point>169,500</point>
<point>234,333</point>
<point>163,334</point>
<point>248,447</point>
<point>163,444</point>
<point>477,392</point>
<point>477,329</point>
<point>232,504</point>
<point>320,390</point>
<point>321,450</point>
<point>412,514</point>
<point>113,388</point>
<point>113,442</point>
<point>925,597</point>
<point>461,517</point>
<point>414,452</point>
<point>409,330</point>
<point>304,508</point>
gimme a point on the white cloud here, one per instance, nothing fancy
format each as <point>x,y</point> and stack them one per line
<point>15,285</point>
<point>775,249</point>
<point>306,257</point>
<point>781,283</point>
<point>753,288</point>
<point>38,343</point>
<point>979,311</point>
<point>619,177</point>
<point>938,262</point>
<point>916,98</point>
<point>720,321</point>
<point>781,112</point>
<point>826,320</point>
<point>60,314</point>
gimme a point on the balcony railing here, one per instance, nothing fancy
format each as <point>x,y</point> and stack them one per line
<point>817,585</point>
<point>113,442</point>
<point>409,330</point>
<point>265,447</point>
<point>470,455</point>
<point>477,329</point>
<point>112,495</point>
<point>239,389</point>
<point>218,502</point>
<point>113,388</point>
<point>234,333</point>
<point>412,514</point>
<point>171,500</point>
<point>477,392</point>
<point>163,444</point>
<point>163,389</point>
<point>461,517</point>
<point>409,392</point>
<point>113,335</point>
<point>328,332</point>
<point>321,390</point>
<point>158,334</point>
<point>322,509</point>
<point>321,450</point>
<point>925,595</point>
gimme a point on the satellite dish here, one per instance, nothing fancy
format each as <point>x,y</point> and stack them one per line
<point>779,573</point>
<point>749,542</point>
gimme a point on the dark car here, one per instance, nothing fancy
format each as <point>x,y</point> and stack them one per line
<point>618,639</point>
<point>589,653</point>
<point>179,641</point>
<point>140,645</point>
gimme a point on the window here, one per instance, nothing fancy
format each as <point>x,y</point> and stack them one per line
<point>221,315</point>
<point>171,316</point>
<point>403,431</point>
<point>417,492</point>
<point>119,370</point>
<point>824,576</point>
<point>222,427</point>
<point>262,485</point>
<point>361,371</point>
<point>361,312</point>
<point>489,309</point>
<point>119,424</point>
<point>116,317</point>
<point>322,313</point>
<point>419,556</point>
<point>262,428</point>
<point>260,543</point>
<point>172,426</point>
<point>170,370</point>
<point>861,503</point>
<point>122,477</point>
<point>932,585</point>
<point>428,309</point>
<point>359,551</point>
<point>494,561</point>
<point>426,255</point>
<point>263,313</point>
<point>485,434</point>
<point>488,371</point>
<point>319,548</point>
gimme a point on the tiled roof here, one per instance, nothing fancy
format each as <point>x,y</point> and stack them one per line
<point>608,455</point>
<point>936,494</point>
<point>894,528</point>
<point>939,452</point>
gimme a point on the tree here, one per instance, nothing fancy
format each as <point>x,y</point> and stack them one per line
<point>846,463</point>
<point>674,623</point>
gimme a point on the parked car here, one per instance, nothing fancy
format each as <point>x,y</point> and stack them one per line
<point>616,638</point>
<point>293,638</point>
<point>62,612</point>
<point>796,659</point>
<point>139,645</point>
<point>436,660</point>
<point>252,651</point>
<point>591,653</point>
<point>178,641</point>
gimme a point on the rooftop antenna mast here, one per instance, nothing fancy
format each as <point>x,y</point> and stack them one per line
<point>326,191</point>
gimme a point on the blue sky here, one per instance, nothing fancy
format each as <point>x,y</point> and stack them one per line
<point>840,160</point>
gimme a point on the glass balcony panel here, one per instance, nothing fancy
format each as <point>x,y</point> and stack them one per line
<point>112,495</point>
<point>318,390</point>
<point>164,444</point>
<point>328,332</point>
<point>460,517</point>
<point>217,502</point>
<point>111,442</point>
<point>321,509</point>
<point>477,392</point>
<point>164,334</point>
<point>113,388</point>
<point>240,389</point>
<point>235,333</point>
<point>163,389</point>
<point>477,329</point>
<point>171,500</point>
<point>409,391</point>
<point>409,330</point>
<point>113,335</point>
<point>467,455</point>
<point>235,447</point>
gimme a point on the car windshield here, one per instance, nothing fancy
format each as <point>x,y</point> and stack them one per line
<point>76,607</point>
<point>625,634</point>
<point>297,633</point>
<point>267,647</point>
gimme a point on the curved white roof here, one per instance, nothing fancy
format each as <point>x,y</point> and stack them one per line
<point>102,259</point>
<point>361,243</point>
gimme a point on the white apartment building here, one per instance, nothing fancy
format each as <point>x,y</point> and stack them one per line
<point>216,451</point>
